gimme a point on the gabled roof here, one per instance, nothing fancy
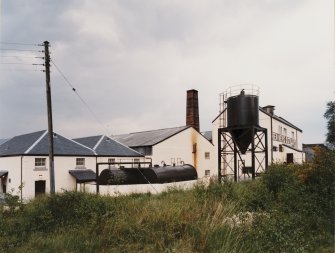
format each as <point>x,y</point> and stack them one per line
<point>105,146</point>
<point>37,144</point>
<point>208,135</point>
<point>148,138</point>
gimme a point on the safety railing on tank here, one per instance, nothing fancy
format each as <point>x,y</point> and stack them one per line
<point>249,89</point>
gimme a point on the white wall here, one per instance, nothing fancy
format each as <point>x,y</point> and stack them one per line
<point>13,166</point>
<point>116,190</point>
<point>30,173</point>
<point>180,148</point>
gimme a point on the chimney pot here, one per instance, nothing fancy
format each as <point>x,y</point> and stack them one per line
<point>269,109</point>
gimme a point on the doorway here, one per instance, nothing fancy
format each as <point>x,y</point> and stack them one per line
<point>289,158</point>
<point>39,187</point>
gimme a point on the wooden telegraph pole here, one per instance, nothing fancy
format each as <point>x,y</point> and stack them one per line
<point>50,130</point>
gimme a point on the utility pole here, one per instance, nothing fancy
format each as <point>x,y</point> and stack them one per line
<point>50,130</point>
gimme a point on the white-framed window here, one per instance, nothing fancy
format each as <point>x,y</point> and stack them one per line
<point>80,162</point>
<point>40,162</point>
<point>207,155</point>
<point>111,160</point>
<point>207,173</point>
<point>280,130</point>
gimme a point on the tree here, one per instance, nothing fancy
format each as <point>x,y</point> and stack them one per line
<point>330,116</point>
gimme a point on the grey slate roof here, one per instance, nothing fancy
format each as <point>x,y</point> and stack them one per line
<point>208,135</point>
<point>37,144</point>
<point>2,141</point>
<point>105,146</point>
<point>83,176</point>
<point>3,173</point>
<point>148,138</point>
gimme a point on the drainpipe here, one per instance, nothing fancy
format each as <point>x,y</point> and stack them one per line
<point>21,183</point>
<point>271,141</point>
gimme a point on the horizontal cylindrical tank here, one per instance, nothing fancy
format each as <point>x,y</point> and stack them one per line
<point>169,174</point>
<point>154,175</point>
<point>117,177</point>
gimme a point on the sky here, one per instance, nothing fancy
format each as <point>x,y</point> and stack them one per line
<point>132,61</point>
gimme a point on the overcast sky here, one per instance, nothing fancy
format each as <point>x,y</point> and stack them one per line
<point>132,62</point>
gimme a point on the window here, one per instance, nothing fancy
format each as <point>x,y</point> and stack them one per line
<point>285,132</point>
<point>207,155</point>
<point>207,173</point>
<point>80,162</point>
<point>281,148</point>
<point>40,162</point>
<point>280,130</point>
<point>292,135</point>
<point>111,160</point>
<point>136,162</point>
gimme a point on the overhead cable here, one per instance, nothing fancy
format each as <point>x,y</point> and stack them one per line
<point>81,99</point>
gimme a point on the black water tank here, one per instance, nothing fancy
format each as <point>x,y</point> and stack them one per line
<point>242,114</point>
<point>154,175</point>
<point>118,177</point>
<point>242,110</point>
<point>169,174</point>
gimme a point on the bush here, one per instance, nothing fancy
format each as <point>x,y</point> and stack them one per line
<point>299,203</point>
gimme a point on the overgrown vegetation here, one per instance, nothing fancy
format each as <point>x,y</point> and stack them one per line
<point>290,209</point>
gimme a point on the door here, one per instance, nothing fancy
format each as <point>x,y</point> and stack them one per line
<point>4,184</point>
<point>39,187</point>
<point>289,157</point>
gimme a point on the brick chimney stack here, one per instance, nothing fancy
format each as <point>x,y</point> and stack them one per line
<point>192,109</point>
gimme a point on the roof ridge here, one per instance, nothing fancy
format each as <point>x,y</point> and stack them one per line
<point>156,130</point>
<point>79,144</point>
<point>124,145</point>
<point>36,142</point>
<point>99,141</point>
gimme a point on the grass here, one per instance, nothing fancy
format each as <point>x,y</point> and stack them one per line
<point>290,209</point>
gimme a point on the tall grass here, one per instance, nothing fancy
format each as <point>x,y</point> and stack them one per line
<point>290,209</point>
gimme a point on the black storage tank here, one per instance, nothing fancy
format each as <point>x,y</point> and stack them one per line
<point>118,177</point>
<point>155,175</point>
<point>242,114</point>
<point>169,174</point>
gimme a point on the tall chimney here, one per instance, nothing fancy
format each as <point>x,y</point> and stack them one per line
<point>192,109</point>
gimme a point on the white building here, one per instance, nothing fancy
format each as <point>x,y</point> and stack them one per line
<point>284,140</point>
<point>24,161</point>
<point>174,146</point>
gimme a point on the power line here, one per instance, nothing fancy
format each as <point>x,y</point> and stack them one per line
<point>20,63</point>
<point>81,99</point>
<point>18,43</point>
<point>20,50</point>
<point>16,69</point>
<point>19,56</point>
